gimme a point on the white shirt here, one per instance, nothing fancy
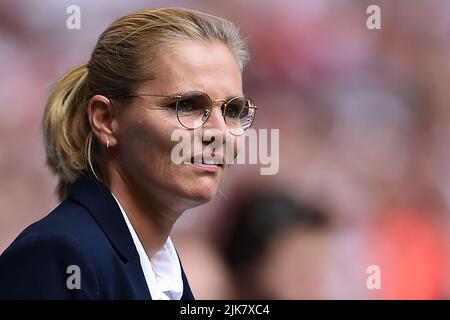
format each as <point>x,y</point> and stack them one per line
<point>162,271</point>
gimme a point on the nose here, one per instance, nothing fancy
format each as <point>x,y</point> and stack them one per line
<point>215,126</point>
<point>216,119</point>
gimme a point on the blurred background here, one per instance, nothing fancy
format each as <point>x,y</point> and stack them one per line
<point>364,120</point>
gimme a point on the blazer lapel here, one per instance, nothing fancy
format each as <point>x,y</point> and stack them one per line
<point>187,293</point>
<point>98,200</point>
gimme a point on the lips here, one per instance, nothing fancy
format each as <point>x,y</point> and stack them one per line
<point>210,164</point>
<point>206,167</point>
<point>216,160</point>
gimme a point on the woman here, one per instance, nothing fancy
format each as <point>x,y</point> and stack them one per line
<point>107,130</point>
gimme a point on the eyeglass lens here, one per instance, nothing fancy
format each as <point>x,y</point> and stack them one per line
<point>194,108</point>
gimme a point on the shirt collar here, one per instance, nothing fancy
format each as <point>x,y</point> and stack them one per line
<point>162,271</point>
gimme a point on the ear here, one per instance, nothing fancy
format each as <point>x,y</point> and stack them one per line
<point>102,120</point>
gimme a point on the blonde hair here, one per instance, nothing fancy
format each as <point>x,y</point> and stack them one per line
<point>115,68</point>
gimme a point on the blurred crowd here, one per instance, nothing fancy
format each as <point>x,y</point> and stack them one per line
<point>364,118</point>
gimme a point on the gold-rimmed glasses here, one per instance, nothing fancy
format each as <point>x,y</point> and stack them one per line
<point>193,109</point>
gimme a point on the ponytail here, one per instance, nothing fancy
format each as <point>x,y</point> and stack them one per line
<point>67,134</point>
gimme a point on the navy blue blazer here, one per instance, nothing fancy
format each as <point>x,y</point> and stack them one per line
<point>86,230</point>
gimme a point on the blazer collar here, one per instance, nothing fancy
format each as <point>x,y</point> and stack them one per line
<point>96,197</point>
<point>98,200</point>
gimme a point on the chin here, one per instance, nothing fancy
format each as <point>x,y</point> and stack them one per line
<point>202,193</point>
<point>203,196</point>
<point>199,190</point>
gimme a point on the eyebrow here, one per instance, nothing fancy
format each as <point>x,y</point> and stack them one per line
<point>226,98</point>
<point>167,97</point>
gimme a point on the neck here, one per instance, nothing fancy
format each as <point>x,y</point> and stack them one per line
<point>152,220</point>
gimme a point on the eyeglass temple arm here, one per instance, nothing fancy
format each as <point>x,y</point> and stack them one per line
<point>175,96</point>
<point>155,95</point>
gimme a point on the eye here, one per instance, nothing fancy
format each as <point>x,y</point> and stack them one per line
<point>171,105</point>
<point>235,108</point>
<point>232,112</point>
<point>244,112</point>
<point>186,105</point>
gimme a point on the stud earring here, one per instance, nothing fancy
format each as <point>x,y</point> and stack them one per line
<point>107,144</point>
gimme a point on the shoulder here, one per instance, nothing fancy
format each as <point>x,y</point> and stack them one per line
<point>41,259</point>
<point>68,217</point>
<point>39,266</point>
<point>68,225</point>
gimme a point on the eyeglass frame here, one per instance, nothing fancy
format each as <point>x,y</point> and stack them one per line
<point>178,96</point>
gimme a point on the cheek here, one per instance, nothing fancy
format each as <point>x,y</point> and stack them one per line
<point>145,146</point>
<point>145,153</point>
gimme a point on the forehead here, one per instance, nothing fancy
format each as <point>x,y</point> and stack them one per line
<point>208,66</point>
